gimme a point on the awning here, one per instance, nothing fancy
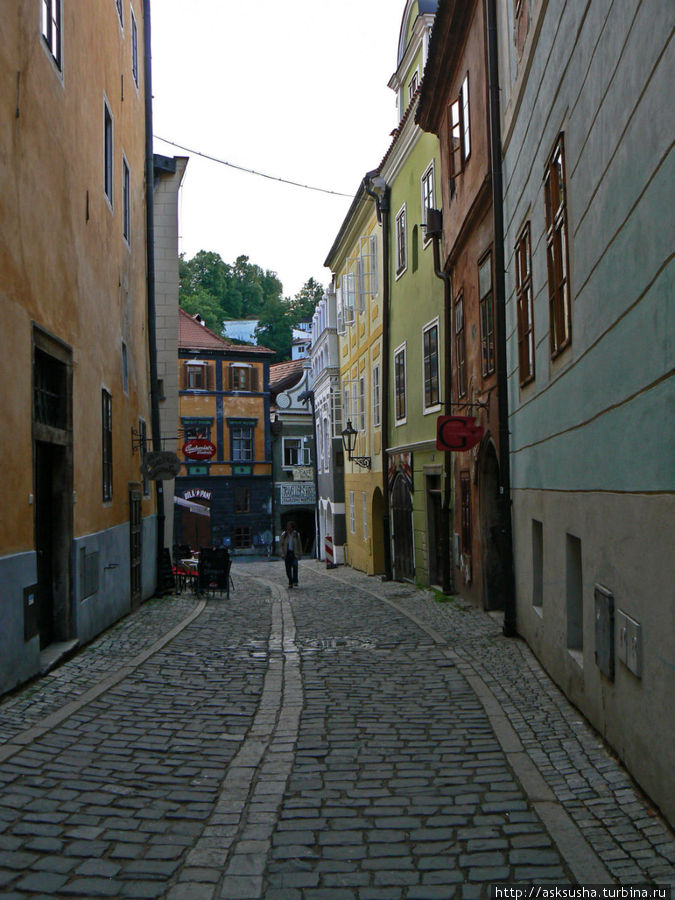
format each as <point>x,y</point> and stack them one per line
<point>193,507</point>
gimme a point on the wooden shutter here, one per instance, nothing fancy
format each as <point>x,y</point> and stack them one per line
<point>254,379</point>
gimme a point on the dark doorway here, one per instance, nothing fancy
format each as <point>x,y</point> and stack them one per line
<point>378,532</point>
<point>401,511</point>
<point>135,544</point>
<point>434,529</point>
<point>493,586</point>
<point>51,543</point>
<point>196,527</point>
<point>305,525</point>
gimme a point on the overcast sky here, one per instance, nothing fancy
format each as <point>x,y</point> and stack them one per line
<point>295,89</point>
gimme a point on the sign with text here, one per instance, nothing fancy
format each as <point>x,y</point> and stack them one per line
<point>198,448</point>
<point>160,465</point>
<point>299,493</point>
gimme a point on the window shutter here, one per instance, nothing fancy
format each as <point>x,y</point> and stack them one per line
<point>184,380</point>
<point>254,379</point>
<point>230,377</point>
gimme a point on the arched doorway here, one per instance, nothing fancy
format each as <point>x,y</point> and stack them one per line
<point>401,514</point>
<point>488,474</point>
<point>305,525</point>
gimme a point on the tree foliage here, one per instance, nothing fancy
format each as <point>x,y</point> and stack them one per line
<point>242,290</point>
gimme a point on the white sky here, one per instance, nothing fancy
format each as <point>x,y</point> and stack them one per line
<point>296,89</point>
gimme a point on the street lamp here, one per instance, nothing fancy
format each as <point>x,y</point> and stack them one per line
<point>349,435</point>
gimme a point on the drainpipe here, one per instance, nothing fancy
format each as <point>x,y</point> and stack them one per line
<point>371,180</point>
<point>150,250</point>
<point>434,229</point>
<point>505,539</point>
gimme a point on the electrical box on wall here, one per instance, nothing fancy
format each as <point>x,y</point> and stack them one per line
<point>630,642</point>
<point>604,631</point>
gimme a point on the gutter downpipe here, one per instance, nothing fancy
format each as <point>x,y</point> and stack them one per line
<point>505,545</point>
<point>150,251</point>
<point>383,209</point>
<point>446,574</point>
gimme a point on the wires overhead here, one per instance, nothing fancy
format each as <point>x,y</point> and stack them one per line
<point>222,162</point>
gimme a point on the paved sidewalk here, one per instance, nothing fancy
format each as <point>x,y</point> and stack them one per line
<point>349,740</point>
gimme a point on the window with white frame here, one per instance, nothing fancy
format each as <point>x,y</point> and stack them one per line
<point>51,28</point>
<point>428,198</point>
<point>336,411</point>
<point>377,402</point>
<point>352,513</point>
<point>368,285</point>
<point>348,283</point>
<point>326,445</point>
<point>401,241</point>
<point>413,84</point>
<point>134,48</point>
<point>340,311</point>
<point>120,11</point>
<point>460,130</point>
<point>241,438</point>
<point>362,403</point>
<point>296,452</point>
<point>364,513</point>
<point>432,396</point>
<point>400,408</point>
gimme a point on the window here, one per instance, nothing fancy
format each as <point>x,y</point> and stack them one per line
<point>465,493</point>
<point>107,152</point>
<point>106,444</point>
<point>556,250</point>
<point>362,404</point>
<point>126,201</point>
<point>125,368</point>
<point>196,428</point>
<point>428,200</point>
<point>460,131</point>
<point>134,48</point>
<point>242,537</point>
<point>336,411</point>
<point>524,306</point>
<point>51,28</point>
<point>377,402</point>
<point>241,437</point>
<point>195,375</point>
<point>326,445</point>
<point>349,296</point>
<point>399,384</point>
<point>401,239</point>
<point>120,11</point>
<point>242,499</point>
<point>487,319</point>
<point>413,84</point>
<point>367,269</point>
<point>243,378</point>
<point>431,386</point>
<point>143,441</point>
<point>364,513</point>
<point>459,345</point>
<point>352,513</point>
<point>296,453</point>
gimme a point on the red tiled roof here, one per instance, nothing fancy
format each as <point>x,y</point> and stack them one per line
<point>193,336</point>
<point>284,375</point>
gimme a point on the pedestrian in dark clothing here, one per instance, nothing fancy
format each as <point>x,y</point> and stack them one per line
<point>290,548</point>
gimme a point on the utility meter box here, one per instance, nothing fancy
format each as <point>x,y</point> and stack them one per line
<point>630,642</point>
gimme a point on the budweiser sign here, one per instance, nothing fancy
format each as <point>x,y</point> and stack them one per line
<point>198,448</point>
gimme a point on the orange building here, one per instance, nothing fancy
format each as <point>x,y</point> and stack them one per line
<point>223,499</point>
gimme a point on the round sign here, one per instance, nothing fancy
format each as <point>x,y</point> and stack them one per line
<point>283,400</point>
<point>198,448</point>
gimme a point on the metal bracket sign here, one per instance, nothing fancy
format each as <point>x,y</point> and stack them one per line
<point>457,433</point>
<point>160,465</point>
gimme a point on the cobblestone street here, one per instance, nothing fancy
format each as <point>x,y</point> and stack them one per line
<point>348,740</point>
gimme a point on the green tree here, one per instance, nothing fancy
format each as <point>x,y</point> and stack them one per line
<point>274,329</point>
<point>302,306</point>
<point>208,308</point>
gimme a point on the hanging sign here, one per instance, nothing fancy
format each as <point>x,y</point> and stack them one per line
<point>457,433</point>
<point>160,465</point>
<point>198,448</point>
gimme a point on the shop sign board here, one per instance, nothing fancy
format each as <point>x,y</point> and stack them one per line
<point>198,448</point>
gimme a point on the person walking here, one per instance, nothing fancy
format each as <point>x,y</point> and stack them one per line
<point>290,548</point>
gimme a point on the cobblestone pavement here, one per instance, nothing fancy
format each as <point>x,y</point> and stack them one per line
<point>317,744</point>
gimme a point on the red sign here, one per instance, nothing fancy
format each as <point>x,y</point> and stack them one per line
<point>198,448</point>
<point>457,433</point>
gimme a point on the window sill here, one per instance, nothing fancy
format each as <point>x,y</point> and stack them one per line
<point>430,410</point>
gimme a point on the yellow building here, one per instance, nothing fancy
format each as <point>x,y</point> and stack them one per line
<point>78,534</point>
<point>355,260</point>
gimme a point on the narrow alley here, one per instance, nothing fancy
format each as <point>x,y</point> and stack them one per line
<point>349,739</point>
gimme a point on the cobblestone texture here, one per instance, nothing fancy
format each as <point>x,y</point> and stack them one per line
<point>307,744</point>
